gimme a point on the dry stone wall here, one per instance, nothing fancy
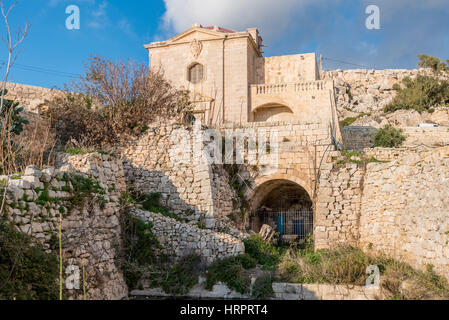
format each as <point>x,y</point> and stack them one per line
<point>431,137</point>
<point>165,160</point>
<point>405,209</point>
<point>90,230</point>
<point>359,138</point>
<point>338,206</point>
<point>181,239</point>
<point>30,96</point>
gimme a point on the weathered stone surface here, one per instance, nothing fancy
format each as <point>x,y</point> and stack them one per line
<point>87,238</point>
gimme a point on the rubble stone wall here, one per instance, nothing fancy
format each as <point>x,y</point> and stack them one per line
<point>405,209</point>
<point>338,206</point>
<point>90,230</point>
<point>30,96</point>
<point>165,160</point>
<point>183,239</point>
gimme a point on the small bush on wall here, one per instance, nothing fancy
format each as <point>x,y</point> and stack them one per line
<point>389,137</point>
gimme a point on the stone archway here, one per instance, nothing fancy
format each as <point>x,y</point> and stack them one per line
<point>272,112</point>
<point>284,205</point>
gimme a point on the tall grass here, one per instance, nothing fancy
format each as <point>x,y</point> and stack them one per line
<point>33,146</point>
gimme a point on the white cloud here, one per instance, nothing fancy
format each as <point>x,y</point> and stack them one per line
<point>270,16</point>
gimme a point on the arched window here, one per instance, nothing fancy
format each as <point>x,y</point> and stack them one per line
<point>195,73</point>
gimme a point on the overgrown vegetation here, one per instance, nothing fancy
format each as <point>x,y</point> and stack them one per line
<point>113,102</point>
<point>233,272</point>
<point>266,254</point>
<point>350,120</point>
<point>143,261</point>
<point>22,142</point>
<point>425,92</point>
<point>149,202</point>
<point>341,265</point>
<point>139,247</point>
<point>27,272</point>
<point>352,157</point>
<point>389,137</point>
<point>263,287</point>
<point>347,265</point>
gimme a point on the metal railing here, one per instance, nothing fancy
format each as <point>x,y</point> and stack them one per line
<point>293,225</point>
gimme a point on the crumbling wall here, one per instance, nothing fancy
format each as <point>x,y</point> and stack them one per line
<point>183,239</point>
<point>90,228</point>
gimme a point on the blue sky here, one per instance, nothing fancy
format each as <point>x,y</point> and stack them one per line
<point>118,29</point>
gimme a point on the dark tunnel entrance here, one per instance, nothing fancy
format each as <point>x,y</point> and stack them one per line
<point>286,207</point>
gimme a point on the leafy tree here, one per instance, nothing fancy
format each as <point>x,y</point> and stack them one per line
<point>433,63</point>
<point>389,137</point>
<point>424,92</point>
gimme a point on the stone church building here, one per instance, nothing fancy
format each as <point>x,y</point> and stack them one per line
<point>232,82</point>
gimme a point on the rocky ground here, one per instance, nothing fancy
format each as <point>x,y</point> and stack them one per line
<point>363,94</point>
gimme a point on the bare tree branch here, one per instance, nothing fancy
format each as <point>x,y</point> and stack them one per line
<point>10,45</point>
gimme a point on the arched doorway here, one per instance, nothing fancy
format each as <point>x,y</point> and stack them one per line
<point>272,112</point>
<point>285,206</point>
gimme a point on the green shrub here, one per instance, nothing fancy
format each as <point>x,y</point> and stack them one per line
<point>138,251</point>
<point>246,261</point>
<point>183,276</point>
<point>264,253</point>
<point>421,94</point>
<point>151,202</point>
<point>231,271</point>
<point>433,63</point>
<point>27,272</point>
<point>344,265</point>
<point>83,188</point>
<point>350,120</point>
<point>389,137</point>
<point>263,287</point>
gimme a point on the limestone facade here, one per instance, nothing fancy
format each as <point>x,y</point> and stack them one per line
<point>238,84</point>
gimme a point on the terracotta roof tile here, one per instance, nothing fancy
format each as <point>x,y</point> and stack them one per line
<point>220,29</point>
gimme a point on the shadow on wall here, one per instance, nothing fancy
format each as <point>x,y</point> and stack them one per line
<point>156,181</point>
<point>358,138</point>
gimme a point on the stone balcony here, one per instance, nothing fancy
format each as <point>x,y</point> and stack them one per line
<point>288,88</point>
<point>282,101</point>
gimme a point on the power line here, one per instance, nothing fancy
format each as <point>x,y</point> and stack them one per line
<point>45,70</point>
<point>346,62</point>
